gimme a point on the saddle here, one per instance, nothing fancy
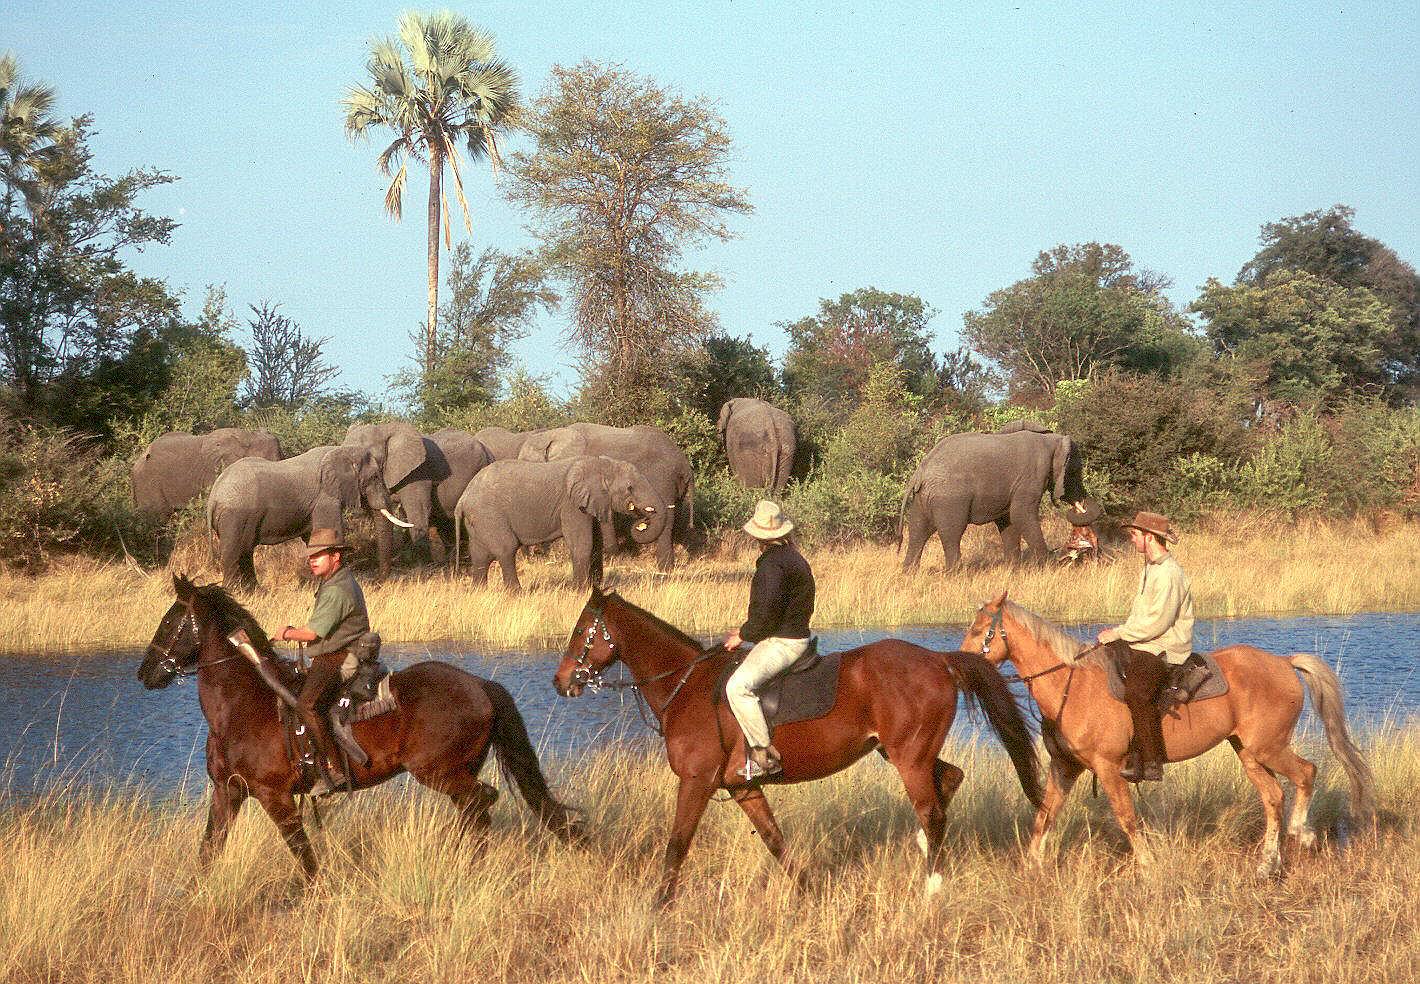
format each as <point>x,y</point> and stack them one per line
<point>805,690</point>
<point>1198,682</point>
<point>363,694</point>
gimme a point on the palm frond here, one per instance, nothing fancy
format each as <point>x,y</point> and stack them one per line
<point>394,195</point>
<point>452,153</point>
<point>395,153</point>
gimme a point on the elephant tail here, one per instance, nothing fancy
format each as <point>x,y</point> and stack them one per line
<point>458,535</point>
<point>913,486</point>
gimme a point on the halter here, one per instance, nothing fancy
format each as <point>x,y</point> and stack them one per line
<point>169,663</point>
<point>590,676</point>
<point>996,626</point>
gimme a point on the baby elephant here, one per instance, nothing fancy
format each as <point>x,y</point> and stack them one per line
<point>512,504</point>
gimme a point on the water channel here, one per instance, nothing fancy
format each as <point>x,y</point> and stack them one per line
<point>85,717</point>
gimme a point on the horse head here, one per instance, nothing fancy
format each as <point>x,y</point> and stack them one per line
<point>590,649</point>
<point>176,642</point>
<point>987,632</point>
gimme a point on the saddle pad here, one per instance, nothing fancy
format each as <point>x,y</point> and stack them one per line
<point>383,703</point>
<point>801,694</point>
<point>1215,686</point>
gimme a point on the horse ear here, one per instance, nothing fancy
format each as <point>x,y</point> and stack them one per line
<point>182,586</point>
<point>999,600</point>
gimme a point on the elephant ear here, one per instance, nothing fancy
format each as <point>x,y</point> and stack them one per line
<point>537,447</point>
<point>725,412</point>
<point>339,476</point>
<point>1060,463</point>
<point>589,485</point>
<point>404,452</point>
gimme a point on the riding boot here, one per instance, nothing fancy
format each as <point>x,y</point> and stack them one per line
<point>763,762</point>
<point>1143,674</point>
<point>321,681</point>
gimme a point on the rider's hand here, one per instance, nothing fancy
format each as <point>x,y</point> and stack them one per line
<point>280,634</point>
<point>1104,636</point>
<point>733,642</point>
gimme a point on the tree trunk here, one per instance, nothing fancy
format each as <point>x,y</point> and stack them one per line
<point>436,176</point>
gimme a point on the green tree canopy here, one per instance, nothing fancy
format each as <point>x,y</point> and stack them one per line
<point>493,300</point>
<point>623,178</point>
<point>1325,244</point>
<point>28,132</point>
<point>440,84</point>
<point>1314,339</point>
<point>1084,308</point>
<point>832,353</point>
<point>722,368</point>
<point>288,367</point>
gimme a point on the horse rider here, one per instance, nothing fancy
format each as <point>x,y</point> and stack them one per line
<point>338,618</point>
<point>1156,638</point>
<point>781,601</point>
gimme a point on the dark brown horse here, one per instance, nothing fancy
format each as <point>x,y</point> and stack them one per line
<point>892,696</point>
<point>440,733</point>
<point>1085,728</point>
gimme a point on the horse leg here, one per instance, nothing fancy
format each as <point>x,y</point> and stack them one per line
<point>1114,786</point>
<point>227,798</point>
<point>756,807</point>
<point>281,808</point>
<point>1269,790</point>
<point>1058,783</point>
<point>920,779</point>
<point>691,799</point>
<point>1302,773</point>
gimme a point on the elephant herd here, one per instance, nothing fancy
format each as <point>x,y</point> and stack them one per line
<point>496,491</point>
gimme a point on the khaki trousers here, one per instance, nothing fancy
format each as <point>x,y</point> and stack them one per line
<point>767,658</point>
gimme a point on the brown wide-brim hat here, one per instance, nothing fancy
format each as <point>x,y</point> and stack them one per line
<point>768,522</point>
<point>1086,512</point>
<point>1155,523</point>
<point>323,540</point>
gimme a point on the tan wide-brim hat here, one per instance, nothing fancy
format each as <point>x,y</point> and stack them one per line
<point>768,522</point>
<point>1153,523</point>
<point>323,540</point>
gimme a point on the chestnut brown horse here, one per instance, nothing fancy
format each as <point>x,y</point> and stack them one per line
<point>892,696</point>
<point>1086,728</point>
<point>440,733</point>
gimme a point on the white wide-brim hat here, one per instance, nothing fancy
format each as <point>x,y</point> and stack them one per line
<point>768,522</point>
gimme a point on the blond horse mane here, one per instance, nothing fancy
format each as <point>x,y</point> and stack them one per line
<point>1066,647</point>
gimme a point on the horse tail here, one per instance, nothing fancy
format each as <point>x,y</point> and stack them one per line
<point>984,685</point>
<point>1325,689</point>
<point>519,765</point>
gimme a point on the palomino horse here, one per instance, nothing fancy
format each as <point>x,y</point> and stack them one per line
<point>440,733</point>
<point>1085,728</point>
<point>892,696</point>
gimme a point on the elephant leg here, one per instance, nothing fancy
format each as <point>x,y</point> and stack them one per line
<point>384,544</point>
<point>1025,517</point>
<point>479,557</point>
<point>508,564</point>
<point>235,547</point>
<point>665,549</point>
<point>950,517</point>
<point>919,529</point>
<point>1010,541</point>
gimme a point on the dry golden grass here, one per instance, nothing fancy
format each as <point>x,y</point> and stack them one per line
<point>103,889</point>
<point>1243,567</point>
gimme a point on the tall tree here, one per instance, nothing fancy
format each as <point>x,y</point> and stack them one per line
<point>287,367</point>
<point>1325,244</point>
<point>28,132</point>
<point>1084,308</point>
<point>625,176</point>
<point>439,85</point>
<point>832,353</point>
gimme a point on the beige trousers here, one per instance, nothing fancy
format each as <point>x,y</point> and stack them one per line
<point>767,658</point>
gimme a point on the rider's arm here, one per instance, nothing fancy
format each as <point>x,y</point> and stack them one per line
<point>294,633</point>
<point>1156,608</point>
<point>766,602</point>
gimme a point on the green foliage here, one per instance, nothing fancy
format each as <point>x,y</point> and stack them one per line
<point>881,434</point>
<point>623,178</point>
<point>315,424</point>
<point>1084,309</point>
<point>1313,339</point>
<point>527,406</point>
<point>59,495</point>
<point>719,369</point>
<point>832,353</point>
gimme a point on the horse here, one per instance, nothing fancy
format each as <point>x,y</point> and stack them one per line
<point>1083,727</point>
<point>892,696</point>
<point>440,732</point>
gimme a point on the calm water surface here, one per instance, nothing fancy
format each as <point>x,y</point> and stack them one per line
<point>61,713</point>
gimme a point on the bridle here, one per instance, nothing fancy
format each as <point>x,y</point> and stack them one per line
<point>588,675</point>
<point>998,627</point>
<point>169,664</point>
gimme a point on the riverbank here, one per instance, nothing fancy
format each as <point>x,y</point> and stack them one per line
<point>1240,568</point>
<point>102,887</point>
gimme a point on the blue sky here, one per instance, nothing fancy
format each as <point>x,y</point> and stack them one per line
<point>924,148</point>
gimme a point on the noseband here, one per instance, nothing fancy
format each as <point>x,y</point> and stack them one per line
<point>587,675</point>
<point>169,663</point>
<point>996,627</point>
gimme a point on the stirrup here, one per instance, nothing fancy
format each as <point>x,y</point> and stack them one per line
<point>754,770</point>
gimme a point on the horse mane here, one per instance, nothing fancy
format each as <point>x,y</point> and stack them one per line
<point>661,623</point>
<point>233,616</point>
<point>1066,647</point>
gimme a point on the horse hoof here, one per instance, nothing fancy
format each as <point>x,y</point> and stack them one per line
<point>934,884</point>
<point>1271,866</point>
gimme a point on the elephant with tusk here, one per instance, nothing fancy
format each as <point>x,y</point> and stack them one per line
<point>511,504</point>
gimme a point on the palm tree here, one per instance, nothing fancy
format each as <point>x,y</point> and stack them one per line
<point>441,82</point>
<point>27,131</point>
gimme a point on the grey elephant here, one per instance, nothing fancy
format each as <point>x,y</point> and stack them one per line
<point>989,478</point>
<point>504,444</point>
<point>512,504</point>
<point>653,454</point>
<point>760,440</point>
<point>255,501</point>
<point>457,456</point>
<point>178,467</point>
<point>402,455</point>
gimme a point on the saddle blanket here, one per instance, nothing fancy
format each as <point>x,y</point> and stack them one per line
<point>383,702</point>
<point>1216,685</point>
<point>807,690</point>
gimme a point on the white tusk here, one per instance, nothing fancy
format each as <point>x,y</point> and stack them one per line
<point>640,527</point>
<point>650,509</point>
<point>396,520</point>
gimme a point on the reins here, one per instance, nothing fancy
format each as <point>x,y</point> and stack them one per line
<point>169,663</point>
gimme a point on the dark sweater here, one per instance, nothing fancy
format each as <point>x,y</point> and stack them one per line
<point>781,598</point>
